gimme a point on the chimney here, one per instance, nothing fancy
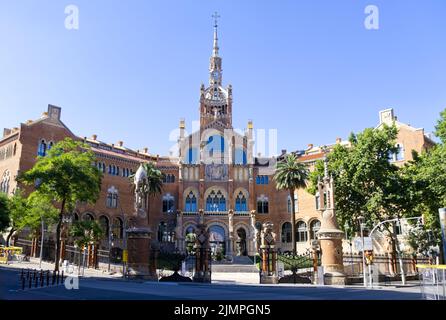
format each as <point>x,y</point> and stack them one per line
<point>338,140</point>
<point>44,114</point>
<point>146,150</point>
<point>29,122</point>
<point>6,132</point>
<point>283,151</point>
<point>94,137</point>
<point>310,146</point>
<point>120,143</point>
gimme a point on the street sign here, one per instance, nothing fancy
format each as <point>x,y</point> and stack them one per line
<point>368,244</point>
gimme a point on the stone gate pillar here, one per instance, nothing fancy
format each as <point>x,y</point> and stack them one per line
<point>268,252</point>
<point>329,235</point>
<point>202,255</point>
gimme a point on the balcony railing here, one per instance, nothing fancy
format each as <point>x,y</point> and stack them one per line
<point>216,213</point>
<point>190,213</point>
<point>242,213</point>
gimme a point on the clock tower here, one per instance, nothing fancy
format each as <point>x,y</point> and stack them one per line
<point>215,100</point>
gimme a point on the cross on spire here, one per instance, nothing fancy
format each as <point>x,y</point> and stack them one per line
<point>215,16</point>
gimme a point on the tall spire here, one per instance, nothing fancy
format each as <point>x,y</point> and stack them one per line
<point>215,47</point>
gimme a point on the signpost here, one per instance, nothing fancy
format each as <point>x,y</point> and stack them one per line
<point>442,213</point>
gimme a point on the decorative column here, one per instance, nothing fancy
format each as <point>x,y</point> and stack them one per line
<point>231,244</point>
<point>268,251</point>
<point>179,232</point>
<point>141,264</point>
<point>329,235</point>
<point>202,255</point>
<point>252,240</point>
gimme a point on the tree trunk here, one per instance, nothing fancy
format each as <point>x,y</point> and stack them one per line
<point>293,222</point>
<point>9,236</point>
<point>59,225</point>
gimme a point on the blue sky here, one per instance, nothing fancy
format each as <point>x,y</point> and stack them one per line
<point>309,69</point>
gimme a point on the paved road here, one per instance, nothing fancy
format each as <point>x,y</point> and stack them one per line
<point>114,289</point>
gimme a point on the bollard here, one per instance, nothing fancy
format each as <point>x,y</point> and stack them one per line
<point>57,277</point>
<point>36,279</point>
<point>23,283</point>
<point>41,278</point>
<point>28,274</point>
<point>22,275</point>
<point>29,282</point>
<point>47,278</point>
<point>62,277</point>
<point>54,278</point>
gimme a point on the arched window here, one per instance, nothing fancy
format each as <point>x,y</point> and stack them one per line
<point>112,197</point>
<point>315,225</point>
<point>296,204</point>
<point>88,217</point>
<point>262,204</point>
<point>41,151</point>
<point>162,229</point>
<point>240,156</point>
<point>168,203</point>
<point>103,222</point>
<point>118,228</point>
<point>286,232</point>
<point>302,232</point>
<point>50,145</point>
<point>117,170</point>
<point>4,183</point>
<point>240,202</point>
<point>216,201</point>
<point>191,203</point>
<point>261,179</point>
<point>317,198</point>
<point>399,152</point>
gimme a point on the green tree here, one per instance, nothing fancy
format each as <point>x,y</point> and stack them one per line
<point>291,175</point>
<point>18,207</point>
<point>428,177</point>
<point>39,207</point>
<point>4,212</point>
<point>366,182</point>
<point>66,175</point>
<point>86,232</point>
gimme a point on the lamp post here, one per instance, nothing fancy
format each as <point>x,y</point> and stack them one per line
<point>110,244</point>
<point>362,225</point>
<point>41,242</point>
<point>346,226</point>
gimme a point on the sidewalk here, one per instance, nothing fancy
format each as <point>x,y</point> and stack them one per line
<point>34,263</point>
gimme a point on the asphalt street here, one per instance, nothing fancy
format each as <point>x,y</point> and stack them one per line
<point>119,289</point>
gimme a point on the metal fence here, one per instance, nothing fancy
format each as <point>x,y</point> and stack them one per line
<point>433,281</point>
<point>383,265</point>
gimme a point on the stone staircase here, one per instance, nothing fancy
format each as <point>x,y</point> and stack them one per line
<point>239,264</point>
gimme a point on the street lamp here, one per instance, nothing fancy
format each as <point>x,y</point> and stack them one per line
<point>346,226</point>
<point>362,226</point>
<point>41,241</point>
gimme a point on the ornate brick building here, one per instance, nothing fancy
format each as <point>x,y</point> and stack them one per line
<point>215,179</point>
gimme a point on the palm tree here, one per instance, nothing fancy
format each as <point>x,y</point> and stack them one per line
<point>291,175</point>
<point>154,182</point>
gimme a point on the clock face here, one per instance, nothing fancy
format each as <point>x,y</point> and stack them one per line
<point>215,75</point>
